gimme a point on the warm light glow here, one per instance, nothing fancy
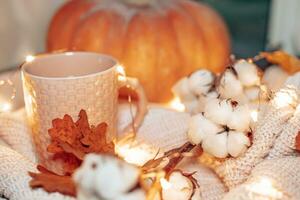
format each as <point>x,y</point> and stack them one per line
<point>5,107</point>
<point>137,154</point>
<point>264,187</point>
<point>176,104</point>
<point>69,53</point>
<point>29,58</point>
<point>254,115</point>
<point>122,74</point>
<point>165,184</point>
<point>120,70</point>
<point>285,97</point>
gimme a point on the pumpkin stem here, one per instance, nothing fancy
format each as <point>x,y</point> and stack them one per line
<point>138,2</point>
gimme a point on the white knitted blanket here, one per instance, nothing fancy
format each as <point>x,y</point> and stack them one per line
<point>162,128</point>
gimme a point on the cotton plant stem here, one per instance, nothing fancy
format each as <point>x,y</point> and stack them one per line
<point>175,156</point>
<point>235,171</point>
<point>285,143</point>
<point>177,159</point>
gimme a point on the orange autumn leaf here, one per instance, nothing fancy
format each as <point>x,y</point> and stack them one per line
<point>70,140</point>
<point>52,182</point>
<point>289,63</point>
<point>297,144</point>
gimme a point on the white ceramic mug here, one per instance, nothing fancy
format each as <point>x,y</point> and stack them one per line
<point>64,83</point>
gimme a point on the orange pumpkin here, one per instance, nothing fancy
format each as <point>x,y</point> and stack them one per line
<point>158,41</point>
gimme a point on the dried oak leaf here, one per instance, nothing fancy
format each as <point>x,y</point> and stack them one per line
<point>70,140</point>
<point>297,144</point>
<point>52,182</point>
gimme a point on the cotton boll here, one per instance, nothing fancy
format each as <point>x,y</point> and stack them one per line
<point>240,118</point>
<point>216,145</point>
<point>247,73</point>
<point>192,106</point>
<point>182,90</point>
<point>218,111</point>
<point>212,94</point>
<point>115,177</point>
<point>104,176</point>
<point>252,93</point>
<point>84,177</point>
<point>241,99</point>
<point>181,188</point>
<point>237,143</point>
<point>203,99</point>
<point>274,77</point>
<point>229,86</point>
<point>201,81</point>
<point>200,128</point>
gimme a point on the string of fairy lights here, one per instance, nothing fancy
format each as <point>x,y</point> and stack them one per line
<point>135,153</point>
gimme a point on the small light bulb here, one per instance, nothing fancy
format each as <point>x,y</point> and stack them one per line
<point>120,70</point>
<point>165,184</point>
<point>285,97</point>
<point>264,186</point>
<point>254,115</point>
<point>137,154</point>
<point>69,53</point>
<point>176,104</point>
<point>29,58</point>
<point>5,107</point>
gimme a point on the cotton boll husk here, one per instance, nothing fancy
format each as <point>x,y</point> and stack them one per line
<point>201,81</point>
<point>237,143</point>
<point>274,77</point>
<point>134,195</point>
<point>229,86</point>
<point>182,90</point>
<point>200,128</point>
<point>181,188</point>
<point>216,145</point>
<point>218,111</point>
<point>240,118</point>
<point>247,73</point>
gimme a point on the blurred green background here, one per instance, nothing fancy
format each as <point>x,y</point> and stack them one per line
<point>247,21</point>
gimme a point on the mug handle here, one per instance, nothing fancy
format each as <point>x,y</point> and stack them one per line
<point>134,85</point>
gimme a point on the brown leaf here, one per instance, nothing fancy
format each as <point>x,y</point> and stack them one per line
<point>70,140</point>
<point>52,182</point>
<point>298,141</point>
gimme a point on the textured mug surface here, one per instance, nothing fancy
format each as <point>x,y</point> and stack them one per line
<point>65,83</point>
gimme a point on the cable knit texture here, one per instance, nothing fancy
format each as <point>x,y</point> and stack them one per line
<point>285,143</point>
<point>235,171</point>
<point>282,174</point>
